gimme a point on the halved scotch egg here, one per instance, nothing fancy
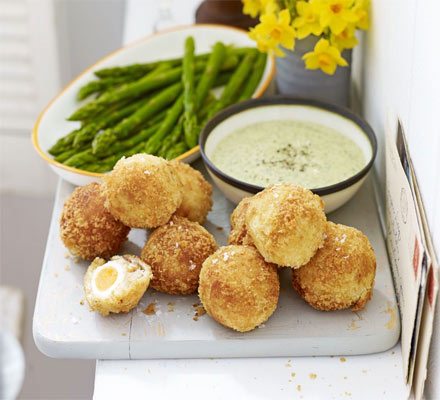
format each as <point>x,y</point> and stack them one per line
<point>117,285</point>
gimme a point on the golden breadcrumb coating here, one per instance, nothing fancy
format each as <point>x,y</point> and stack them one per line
<point>239,234</point>
<point>142,191</point>
<point>238,288</point>
<point>117,285</point>
<point>176,252</point>
<point>341,274</point>
<point>286,223</point>
<point>196,192</point>
<point>87,229</point>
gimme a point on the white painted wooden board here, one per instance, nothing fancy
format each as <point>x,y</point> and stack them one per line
<point>65,328</point>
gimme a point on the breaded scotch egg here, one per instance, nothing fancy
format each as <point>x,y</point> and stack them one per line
<point>196,193</point>
<point>176,252</point>
<point>239,234</point>
<point>87,229</point>
<point>238,288</point>
<point>142,191</point>
<point>341,274</point>
<point>117,285</point>
<point>286,223</point>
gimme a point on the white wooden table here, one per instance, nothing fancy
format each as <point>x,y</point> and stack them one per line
<point>372,376</point>
<point>375,376</point>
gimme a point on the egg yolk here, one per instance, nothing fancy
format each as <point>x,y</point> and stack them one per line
<point>106,278</point>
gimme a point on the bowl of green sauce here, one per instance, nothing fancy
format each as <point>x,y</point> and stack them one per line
<point>283,139</point>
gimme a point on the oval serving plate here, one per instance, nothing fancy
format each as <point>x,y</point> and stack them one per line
<point>52,124</point>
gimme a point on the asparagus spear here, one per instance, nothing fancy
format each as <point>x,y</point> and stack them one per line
<point>146,67</point>
<point>168,95</point>
<point>140,137</point>
<point>254,79</point>
<point>231,89</point>
<point>67,154</point>
<point>101,85</point>
<point>79,137</point>
<point>63,144</point>
<point>210,99</point>
<point>87,155</point>
<point>136,69</point>
<point>166,145</point>
<point>171,139</point>
<point>137,88</point>
<point>90,130</point>
<point>176,150</point>
<point>167,125</point>
<point>100,104</point>
<point>236,82</point>
<point>107,163</point>
<point>176,134</point>
<point>108,136</point>
<point>210,74</point>
<point>80,158</point>
<point>222,79</point>
<point>126,126</point>
<point>113,82</point>
<point>91,167</point>
<point>189,100</point>
<point>209,104</point>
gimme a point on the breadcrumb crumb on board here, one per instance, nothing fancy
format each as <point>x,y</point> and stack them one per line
<point>198,313</point>
<point>151,309</point>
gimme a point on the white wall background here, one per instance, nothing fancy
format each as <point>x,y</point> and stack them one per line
<point>44,44</point>
<point>401,73</point>
<point>28,79</point>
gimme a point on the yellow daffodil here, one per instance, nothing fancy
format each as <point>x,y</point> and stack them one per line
<point>273,31</point>
<point>336,14</point>
<point>255,7</point>
<point>361,10</point>
<point>251,7</point>
<point>307,22</point>
<point>345,40</point>
<point>268,6</point>
<point>325,57</point>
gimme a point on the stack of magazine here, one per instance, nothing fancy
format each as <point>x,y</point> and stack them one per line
<point>412,257</point>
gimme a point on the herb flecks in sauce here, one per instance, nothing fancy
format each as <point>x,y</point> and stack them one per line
<point>305,153</point>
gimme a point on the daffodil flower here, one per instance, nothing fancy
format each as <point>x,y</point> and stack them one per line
<point>251,7</point>
<point>336,14</point>
<point>325,57</point>
<point>307,21</point>
<point>361,10</point>
<point>346,39</point>
<point>268,6</point>
<point>273,31</point>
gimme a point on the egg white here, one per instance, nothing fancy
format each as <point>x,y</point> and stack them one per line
<point>121,268</point>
